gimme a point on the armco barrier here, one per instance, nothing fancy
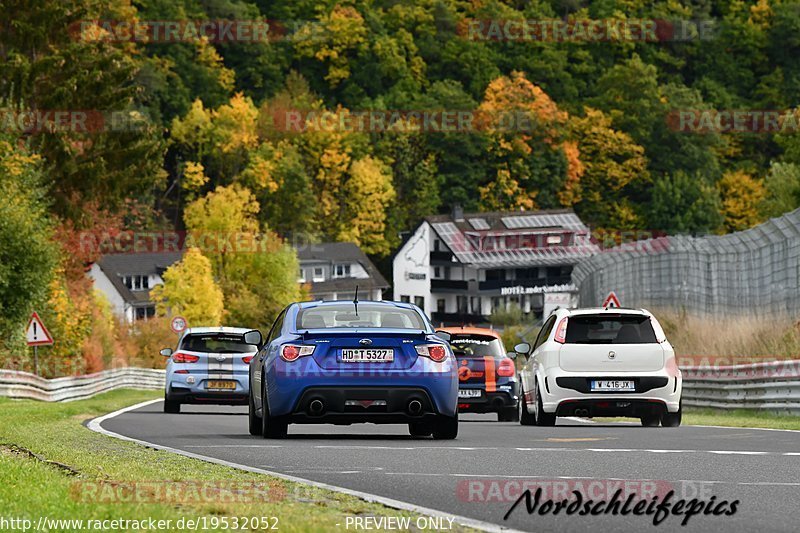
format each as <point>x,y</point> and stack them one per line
<point>16,384</point>
<point>772,386</point>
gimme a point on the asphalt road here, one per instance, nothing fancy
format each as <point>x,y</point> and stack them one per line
<point>759,468</point>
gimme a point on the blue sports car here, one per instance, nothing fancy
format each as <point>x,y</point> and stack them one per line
<point>343,362</point>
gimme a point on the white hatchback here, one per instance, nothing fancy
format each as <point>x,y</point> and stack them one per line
<point>600,362</point>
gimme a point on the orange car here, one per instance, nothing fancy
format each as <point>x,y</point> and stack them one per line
<point>487,376</point>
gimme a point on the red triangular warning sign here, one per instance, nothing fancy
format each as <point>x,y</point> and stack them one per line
<point>611,301</point>
<point>36,334</point>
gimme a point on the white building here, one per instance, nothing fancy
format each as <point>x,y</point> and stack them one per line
<point>334,269</point>
<point>126,280</point>
<point>460,268</point>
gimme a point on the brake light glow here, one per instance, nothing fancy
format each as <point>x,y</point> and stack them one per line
<point>561,331</point>
<point>506,368</point>
<point>293,352</point>
<point>180,357</point>
<point>434,352</point>
<point>247,359</point>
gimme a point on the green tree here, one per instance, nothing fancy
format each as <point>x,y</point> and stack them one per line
<point>189,290</point>
<point>28,256</point>
<point>684,204</point>
<point>782,189</point>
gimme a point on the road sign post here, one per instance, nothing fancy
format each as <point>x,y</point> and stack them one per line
<point>36,334</point>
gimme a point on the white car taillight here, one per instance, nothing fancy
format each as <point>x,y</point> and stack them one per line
<point>561,331</point>
<point>434,352</point>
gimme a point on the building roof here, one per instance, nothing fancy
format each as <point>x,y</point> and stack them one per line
<point>341,252</point>
<point>463,237</point>
<point>114,266</point>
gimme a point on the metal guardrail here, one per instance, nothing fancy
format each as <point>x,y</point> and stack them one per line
<point>773,386</point>
<point>15,384</point>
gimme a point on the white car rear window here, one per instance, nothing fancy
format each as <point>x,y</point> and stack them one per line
<point>610,329</point>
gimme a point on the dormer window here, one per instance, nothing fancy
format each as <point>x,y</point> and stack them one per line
<point>319,274</point>
<point>136,283</point>
<point>342,271</point>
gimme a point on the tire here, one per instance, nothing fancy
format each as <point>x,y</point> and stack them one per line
<point>171,406</point>
<point>446,427</point>
<point>272,427</point>
<point>672,420</point>
<point>542,418</point>
<point>651,420</point>
<point>418,429</point>
<point>525,418</point>
<point>253,419</point>
<point>508,414</point>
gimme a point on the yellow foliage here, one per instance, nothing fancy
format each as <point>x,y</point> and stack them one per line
<point>235,124</point>
<point>504,193</point>
<point>208,56</point>
<point>189,290</point>
<point>741,196</point>
<point>193,176</point>
<point>330,39</point>
<point>368,193</point>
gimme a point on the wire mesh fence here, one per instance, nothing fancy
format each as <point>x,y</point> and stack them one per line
<point>756,271</point>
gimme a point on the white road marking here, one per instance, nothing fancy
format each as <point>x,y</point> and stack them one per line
<point>96,425</point>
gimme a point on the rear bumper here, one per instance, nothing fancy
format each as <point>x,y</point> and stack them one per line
<point>290,390</point>
<point>180,388</point>
<point>490,402</point>
<point>347,405</point>
<point>563,391</point>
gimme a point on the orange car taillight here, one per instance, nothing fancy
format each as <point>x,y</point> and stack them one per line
<point>293,352</point>
<point>180,357</point>
<point>506,368</point>
<point>247,359</point>
<point>561,331</point>
<point>434,352</point>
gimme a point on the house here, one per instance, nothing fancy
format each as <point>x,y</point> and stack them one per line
<point>459,268</point>
<point>126,279</point>
<point>334,269</point>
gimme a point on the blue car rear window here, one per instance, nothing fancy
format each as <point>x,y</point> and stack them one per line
<point>367,316</point>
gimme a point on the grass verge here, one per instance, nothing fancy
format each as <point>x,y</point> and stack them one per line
<point>739,418</point>
<point>52,466</point>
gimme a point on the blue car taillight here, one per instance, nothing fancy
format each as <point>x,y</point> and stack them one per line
<point>293,352</point>
<point>434,352</point>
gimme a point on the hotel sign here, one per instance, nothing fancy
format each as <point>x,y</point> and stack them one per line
<point>416,275</point>
<point>519,289</point>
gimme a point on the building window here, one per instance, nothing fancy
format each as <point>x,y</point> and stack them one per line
<point>440,305</point>
<point>342,271</point>
<point>405,298</point>
<point>319,274</point>
<point>437,244</point>
<point>137,283</point>
<point>437,272</point>
<point>419,301</point>
<point>301,276</point>
<point>495,274</point>
<point>143,313</point>
<point>461,303</point>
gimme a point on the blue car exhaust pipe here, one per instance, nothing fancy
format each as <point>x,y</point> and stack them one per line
<point>415,408</point>
<point>316,407</point>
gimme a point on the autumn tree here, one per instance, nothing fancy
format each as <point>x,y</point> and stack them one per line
<point>615,178</point>
<point>741,196</point>
<point>189,290</point>
<point>530,146</point>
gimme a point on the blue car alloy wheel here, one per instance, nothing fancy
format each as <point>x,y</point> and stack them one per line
<point>346,362</point>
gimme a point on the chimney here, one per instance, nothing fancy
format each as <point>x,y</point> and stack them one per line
<point>458,213</point>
